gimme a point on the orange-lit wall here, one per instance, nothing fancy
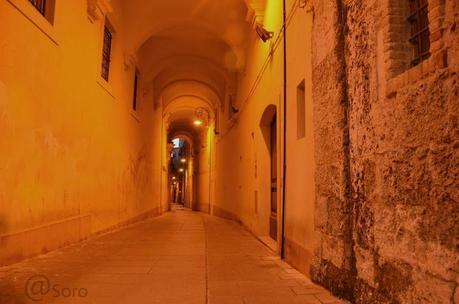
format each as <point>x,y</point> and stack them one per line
<point>300,238</point>
<point>242,154</point>
<point>82,158</point>
<point>75,158</point>
<point>243,161</point>
<point>204,192</point>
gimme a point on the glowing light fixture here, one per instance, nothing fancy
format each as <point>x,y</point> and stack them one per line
<point>181,170</point>
<point>183,160</point>
<point>174,178</point>
<point>202,117</point>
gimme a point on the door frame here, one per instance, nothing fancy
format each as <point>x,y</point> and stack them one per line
<point>273,159</point>
<point>269,114</point>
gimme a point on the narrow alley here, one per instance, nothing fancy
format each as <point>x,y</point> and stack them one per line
<point>181,257</point>
<point>229,151</point>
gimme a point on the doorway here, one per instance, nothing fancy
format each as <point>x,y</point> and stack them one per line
<point>268,167</point>
<point>273,165</point>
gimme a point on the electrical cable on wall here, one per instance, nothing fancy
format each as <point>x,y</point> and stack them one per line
<point>297,4</point>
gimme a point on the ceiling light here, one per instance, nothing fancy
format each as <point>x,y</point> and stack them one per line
<point>198,122</point>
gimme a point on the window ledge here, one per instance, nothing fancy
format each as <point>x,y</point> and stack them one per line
<point>31,13</point>
<point>106,86</point>
<point>435,62</point>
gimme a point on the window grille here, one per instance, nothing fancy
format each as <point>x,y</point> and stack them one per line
<point>420,35</point>
<point>106,53</point>
<point>40,5</point>
<point>134,99</point>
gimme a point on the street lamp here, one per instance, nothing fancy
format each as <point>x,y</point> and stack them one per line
<point>202,117</point>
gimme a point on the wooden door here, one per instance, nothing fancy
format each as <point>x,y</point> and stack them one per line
<point>273,152</point>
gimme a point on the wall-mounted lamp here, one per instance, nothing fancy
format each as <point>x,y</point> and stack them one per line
<point>264,34</point>
<point>198,122</point>
<point>202,116</point>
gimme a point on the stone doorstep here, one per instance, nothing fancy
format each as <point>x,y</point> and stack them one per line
<point>317,294</point>
<point>290,271</point>
<point>270,258</point>
<point>326,298</point>
<point>307,290</point>
<point>287,276</point>
<point>309,299</point>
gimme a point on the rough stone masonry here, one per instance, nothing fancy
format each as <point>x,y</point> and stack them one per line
<point>387,150</point>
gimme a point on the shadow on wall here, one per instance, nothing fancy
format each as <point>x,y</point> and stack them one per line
<point>136,177</point>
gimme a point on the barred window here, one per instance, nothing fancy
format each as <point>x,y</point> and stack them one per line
<point>45,8</point>
<point>420,34</point>
<point>106,52</point>
<point>40,5</point>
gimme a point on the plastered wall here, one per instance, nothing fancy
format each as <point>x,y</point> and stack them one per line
<point>242,154</point>
<point>299,236</point>
<point>243,185</point>
<point>72,150</point>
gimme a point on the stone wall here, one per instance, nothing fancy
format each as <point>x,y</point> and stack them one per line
<point>333,258</point>
<point>387,171</point>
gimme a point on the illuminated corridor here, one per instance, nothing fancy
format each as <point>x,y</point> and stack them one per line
<point>230,151</point>
<point>181,257</point>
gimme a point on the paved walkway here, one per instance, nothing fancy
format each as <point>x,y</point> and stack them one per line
<point>181,257</point>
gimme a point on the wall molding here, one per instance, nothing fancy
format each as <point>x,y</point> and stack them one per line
<point>255,11</point>
<point>217,211</point>
<point>97,9</point>
<point>21,245</point>
<point>298,256</point>
<point>24,244</point>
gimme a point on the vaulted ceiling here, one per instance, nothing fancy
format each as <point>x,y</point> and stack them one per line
<point>190,50</point>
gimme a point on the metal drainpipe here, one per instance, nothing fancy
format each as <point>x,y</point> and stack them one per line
<point>210,135</point>
<point>284,177</point>
<point>161,167</point>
